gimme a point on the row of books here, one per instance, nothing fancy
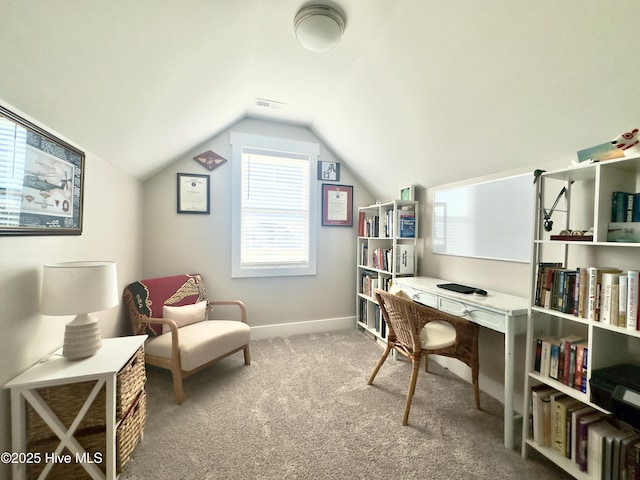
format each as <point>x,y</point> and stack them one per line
<point>625,207</point>
<point>363,317</point>
<point>374,226</point>
<point>565,359</point>
<point>369,281</point>
<point>600,445</point>
<point>602,294</point>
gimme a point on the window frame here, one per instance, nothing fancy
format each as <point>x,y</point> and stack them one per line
<point>240,141</point>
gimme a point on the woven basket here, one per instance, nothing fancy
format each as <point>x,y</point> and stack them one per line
<point>131,380</point>
<point>128,435</point>
<point>66,400</point>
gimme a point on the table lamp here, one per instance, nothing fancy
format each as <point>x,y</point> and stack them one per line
<point>79,288</point>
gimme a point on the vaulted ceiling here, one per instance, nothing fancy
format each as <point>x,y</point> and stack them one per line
<point>417,91</point>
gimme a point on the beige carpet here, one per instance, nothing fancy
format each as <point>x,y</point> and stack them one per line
<point>302,410</point>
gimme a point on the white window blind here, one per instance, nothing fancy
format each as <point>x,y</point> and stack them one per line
<point>274,218</point>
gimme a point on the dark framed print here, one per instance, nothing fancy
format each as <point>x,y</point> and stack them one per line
<point>193,193</point>
<point>328,171</point>
<point>41,180</point>
<point>337,205</point>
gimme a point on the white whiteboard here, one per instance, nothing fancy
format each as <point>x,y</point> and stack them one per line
<point>485,220</point>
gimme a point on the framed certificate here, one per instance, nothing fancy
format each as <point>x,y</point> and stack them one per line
<point>193,193</point>
<point>337,205</point>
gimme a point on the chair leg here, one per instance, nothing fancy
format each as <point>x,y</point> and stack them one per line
<point>247,356</point>
<point>476,387</point>
<point>177,387</point>
<point>384,356</point>
<point>412,388</point>
<point>426,363</point>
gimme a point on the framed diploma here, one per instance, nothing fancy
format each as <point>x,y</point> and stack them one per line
<point>337,205</point>
<point>193,193</point>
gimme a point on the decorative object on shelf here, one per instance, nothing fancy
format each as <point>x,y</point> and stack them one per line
<point>574,235</point>
<point>79,288</point>
<point>45,195</point>
<point>628,142</point>
<point>193,193</point>
<point>210,160</point>
<point>318,28</point>
<point>548,223</point>
<point>599,153</point>
<point>407,193</point>
<point>328,171</point>
<point>337,205</point>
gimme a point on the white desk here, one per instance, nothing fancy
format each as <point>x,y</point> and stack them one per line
<point>503,313</point>
<point>57,370</point>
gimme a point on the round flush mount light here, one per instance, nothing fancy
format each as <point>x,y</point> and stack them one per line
<point>318,27</point>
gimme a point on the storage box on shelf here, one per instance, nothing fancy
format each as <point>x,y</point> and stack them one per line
<point>386,249</point>
<point>576,324</point>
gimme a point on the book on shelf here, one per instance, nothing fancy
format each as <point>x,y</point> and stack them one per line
<point>582,357</point>
<point>609,297</point>
<point>577,415</point>
<point>596,447</point>
<point>632,299</point>
<point>407,222</point>
<point>568,360</point>
<point>539,394</point>
<point>545,355</point>
<point>583,437</point>
<point>560,408</point>
<point>361,220</point>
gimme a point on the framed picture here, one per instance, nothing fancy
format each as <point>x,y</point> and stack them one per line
<point>193,193</point>
<point>328,171</point>
<point>407,193</point>
<point>41,180</point>
<point>337,205</point>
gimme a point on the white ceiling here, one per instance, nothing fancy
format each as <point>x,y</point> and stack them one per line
<point>418,91</point>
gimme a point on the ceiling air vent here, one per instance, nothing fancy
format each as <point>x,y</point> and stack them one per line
<point>263,102</point>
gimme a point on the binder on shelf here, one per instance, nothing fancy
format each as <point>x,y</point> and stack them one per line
<point>405,259</point>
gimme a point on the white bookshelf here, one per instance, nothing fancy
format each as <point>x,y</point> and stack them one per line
<point>384,230</point>
<point>587,204</point>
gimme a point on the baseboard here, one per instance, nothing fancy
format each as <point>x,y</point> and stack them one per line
<point>296,328</point>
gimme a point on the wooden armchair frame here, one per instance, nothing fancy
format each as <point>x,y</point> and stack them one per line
<point>405,320</point>
<point>138,321</point>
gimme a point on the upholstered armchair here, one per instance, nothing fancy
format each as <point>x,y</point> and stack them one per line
<point>174,313</point>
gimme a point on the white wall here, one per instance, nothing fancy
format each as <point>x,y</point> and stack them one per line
<point>178,243</point>
<point>111,231</point>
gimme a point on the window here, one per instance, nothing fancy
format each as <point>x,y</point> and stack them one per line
<point>274,205</point>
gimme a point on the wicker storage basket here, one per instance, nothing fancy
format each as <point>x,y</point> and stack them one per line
<point>66,400</point>
<point>128,435</point>
<point>131,380</point>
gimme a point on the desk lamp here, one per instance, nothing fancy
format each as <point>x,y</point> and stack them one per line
<point>79,288</point>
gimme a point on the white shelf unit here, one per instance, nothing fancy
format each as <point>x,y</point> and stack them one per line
<point>385,231</point>
<point>588,203</point>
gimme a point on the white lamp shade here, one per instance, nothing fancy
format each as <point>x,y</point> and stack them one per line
<point>318,28</point>
<point>72,288</point>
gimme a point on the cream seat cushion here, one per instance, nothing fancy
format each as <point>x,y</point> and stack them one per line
<point>434,335</point>
<point>201,342</point>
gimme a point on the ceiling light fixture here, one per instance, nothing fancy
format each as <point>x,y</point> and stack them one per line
<point>318,28</point>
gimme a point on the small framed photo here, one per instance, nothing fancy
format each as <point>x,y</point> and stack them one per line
<point>193,193</point>
<point>407,193</point>
<point>337,205</point>
<point>328,171</point>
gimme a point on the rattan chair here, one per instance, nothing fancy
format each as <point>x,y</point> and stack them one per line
<point>416,330</point>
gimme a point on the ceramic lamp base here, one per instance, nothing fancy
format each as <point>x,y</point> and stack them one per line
<point>81,338</point>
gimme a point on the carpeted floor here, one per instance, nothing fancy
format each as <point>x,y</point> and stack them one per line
<point>302,410</point>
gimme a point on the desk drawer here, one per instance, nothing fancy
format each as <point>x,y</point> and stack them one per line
<point>485,318</point>
<point>425,298</point>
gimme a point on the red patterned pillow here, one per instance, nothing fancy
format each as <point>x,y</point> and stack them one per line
<point>152,294</point>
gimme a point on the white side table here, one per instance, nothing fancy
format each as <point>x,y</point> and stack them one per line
<point>102,368</point>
